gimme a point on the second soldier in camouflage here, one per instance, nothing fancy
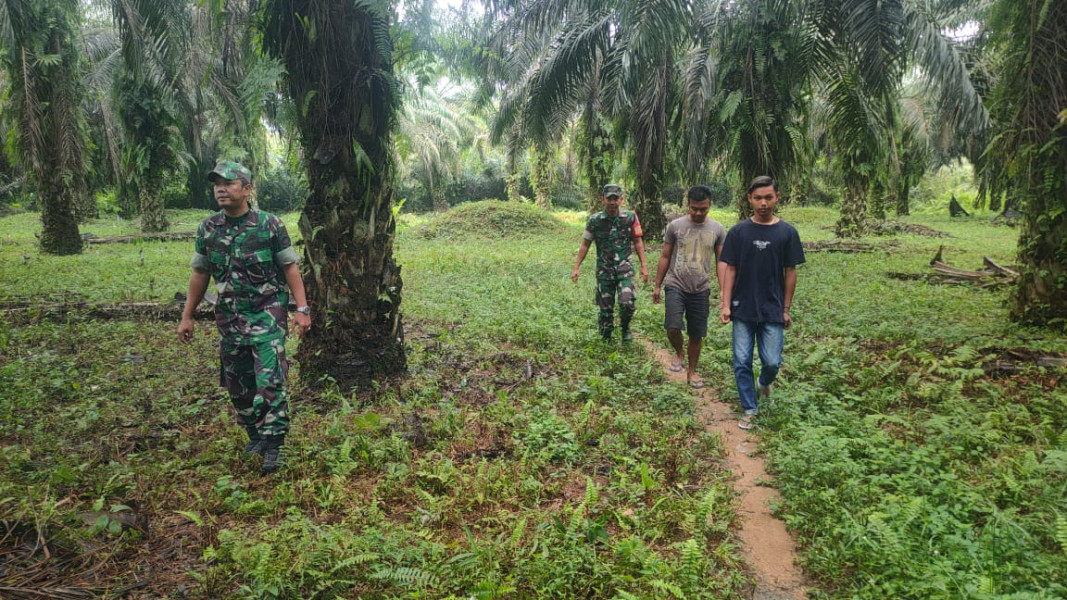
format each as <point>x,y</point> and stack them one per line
<point>617,234</point>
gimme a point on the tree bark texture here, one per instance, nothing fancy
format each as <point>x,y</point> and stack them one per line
<point>648,124</point>
<point>338,56</point>
<point>853,221</point>
<point>542,174</point>
<point>150,199</point>
<point>59,225</point>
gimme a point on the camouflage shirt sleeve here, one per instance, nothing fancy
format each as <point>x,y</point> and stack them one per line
<point>280,244</point>
<point>588,233</point>
<point>636,229</point>
<point>200,260</point>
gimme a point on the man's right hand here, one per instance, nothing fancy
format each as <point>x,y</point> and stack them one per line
<point>574,275</point>
<point>655,295</point>
<point>185,330</point>
<point>724,315</point>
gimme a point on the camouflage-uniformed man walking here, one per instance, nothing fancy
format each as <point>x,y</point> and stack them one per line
<point>249,255</point>
<point>616,233</point>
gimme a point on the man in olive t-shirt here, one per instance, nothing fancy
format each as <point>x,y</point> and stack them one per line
<point>691,248</point>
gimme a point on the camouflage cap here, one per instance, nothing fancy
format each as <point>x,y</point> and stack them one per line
<point>229,169</point>
<point>611,189</point>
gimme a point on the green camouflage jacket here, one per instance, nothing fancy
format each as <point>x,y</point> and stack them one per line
<point>245,256</point>
<point>614,240</point>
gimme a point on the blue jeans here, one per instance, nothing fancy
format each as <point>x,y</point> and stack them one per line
<point>770,337</point>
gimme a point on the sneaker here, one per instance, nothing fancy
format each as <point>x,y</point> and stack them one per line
<point>627,336</point>
<point>273,457</point>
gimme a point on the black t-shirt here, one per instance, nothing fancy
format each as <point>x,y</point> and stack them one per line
<point>761,254</point>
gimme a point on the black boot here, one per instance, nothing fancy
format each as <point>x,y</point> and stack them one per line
<point>273,459</point>
<point>255,441</point>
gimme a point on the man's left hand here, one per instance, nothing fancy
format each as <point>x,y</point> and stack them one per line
<point>303,323</point>
<point>644,273</point>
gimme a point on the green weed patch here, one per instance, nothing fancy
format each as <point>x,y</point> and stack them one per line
<point>522,456</point>
<point>492,218</point>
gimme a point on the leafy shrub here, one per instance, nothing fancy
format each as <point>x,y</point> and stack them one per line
<point>548,435</point>
<point>281,191</point>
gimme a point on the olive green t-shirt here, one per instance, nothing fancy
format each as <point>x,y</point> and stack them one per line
<point>693,261</point>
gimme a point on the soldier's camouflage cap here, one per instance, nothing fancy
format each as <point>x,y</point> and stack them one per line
<point>611,189</point>
<point>229,169</point>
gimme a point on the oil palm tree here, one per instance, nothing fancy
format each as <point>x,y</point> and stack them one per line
<point>862,51</point>
<point>338,58</point>
<point>39,53</point>
<point>153,37</point>
<point>744,89</point>
<point>564,58</point>
<point>433,129</point>
<point>1027,156</point>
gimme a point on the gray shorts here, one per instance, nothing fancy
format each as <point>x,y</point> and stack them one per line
<point>694,308</point>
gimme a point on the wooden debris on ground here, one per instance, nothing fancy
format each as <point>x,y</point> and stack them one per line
<point>169,236</point>
<point>895,227</point>
<point>955,209</point>
<point>28,311</point>
<point>842,245</point>
<point>1018,359</point>
<point>1009,217</point>
<point>992,275</point>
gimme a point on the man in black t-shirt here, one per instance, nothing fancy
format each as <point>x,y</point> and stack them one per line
<point>761,256</point>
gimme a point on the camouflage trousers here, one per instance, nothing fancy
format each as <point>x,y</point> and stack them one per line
<point>254,375</point>
<point>607,286</point>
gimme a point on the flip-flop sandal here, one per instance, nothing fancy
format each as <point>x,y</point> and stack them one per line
<point>747,422</point>
<point>696,384</point>
<point>676,367</point>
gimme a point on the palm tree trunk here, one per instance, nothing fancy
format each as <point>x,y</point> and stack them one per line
<point>513,179</point>
<point>903,199</point>
<point>542,172</point>
<point>1040,298</point>
<point>59,225</point>
<point>649,135</point>
<point>878,201</point>
<point>440,203</point>
<point>44,89</point>
<point>340,70</point>
<point>853,220</point>
<point>150,198</point>
<point>85,207</point>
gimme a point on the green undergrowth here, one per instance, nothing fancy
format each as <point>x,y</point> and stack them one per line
<point>909,465</point>
<point>523,457</point>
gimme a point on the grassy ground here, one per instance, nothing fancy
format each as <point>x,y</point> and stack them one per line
<point>524,458</point>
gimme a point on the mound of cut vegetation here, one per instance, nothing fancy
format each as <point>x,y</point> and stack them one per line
<point>492,218</point>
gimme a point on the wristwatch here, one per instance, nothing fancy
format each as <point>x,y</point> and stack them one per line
<point>306,310</point>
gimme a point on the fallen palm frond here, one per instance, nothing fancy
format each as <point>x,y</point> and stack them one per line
<point>172,236</point>
<point>844,245</point>
<point>992,275</point>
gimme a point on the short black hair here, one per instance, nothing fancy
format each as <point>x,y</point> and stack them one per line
<point>698,193</point>
<point>762,181</point>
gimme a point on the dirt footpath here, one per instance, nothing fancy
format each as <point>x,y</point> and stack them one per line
<point>768,548</point>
